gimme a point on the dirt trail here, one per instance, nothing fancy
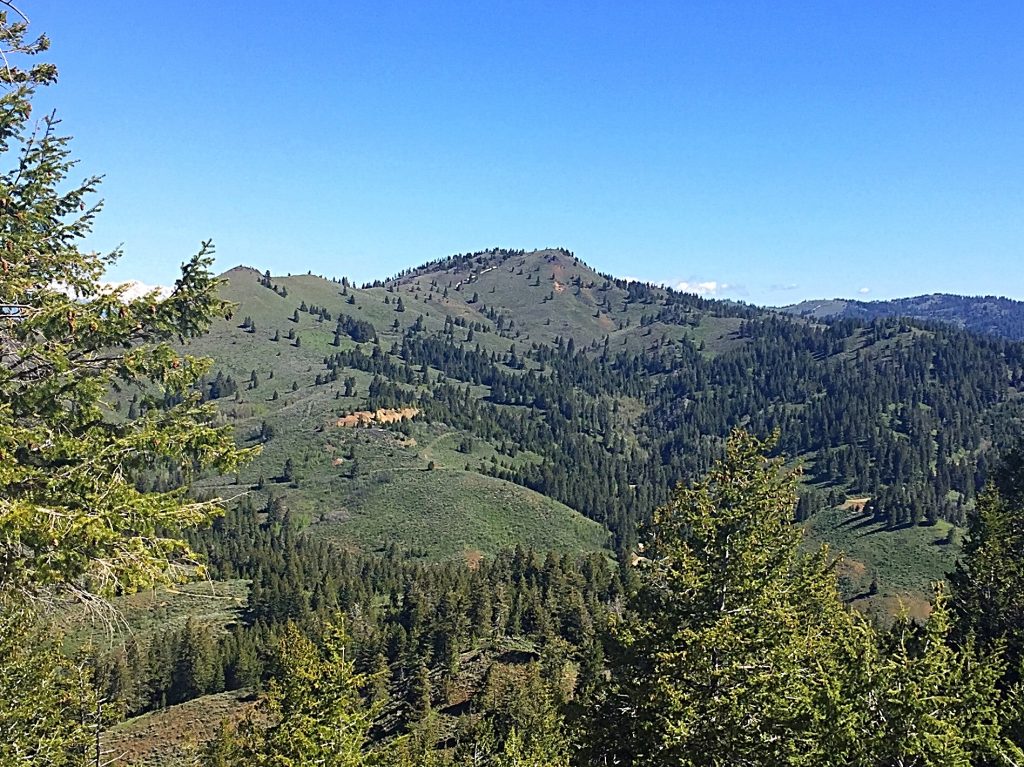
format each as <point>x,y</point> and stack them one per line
<point>427,453</point>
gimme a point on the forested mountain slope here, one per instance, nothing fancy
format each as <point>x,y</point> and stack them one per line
<point>499,510</point>
<point>530,383</point>
<point>991,315</point>
<point>489,408</point>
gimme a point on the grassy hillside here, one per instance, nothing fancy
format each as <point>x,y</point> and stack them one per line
<point>451,512</point>
<point>550,294</point>
<point>435,482</point>
<point>538,297</point>
<point>146,614</point>
<point>904,563</point>
<point>370,487</point>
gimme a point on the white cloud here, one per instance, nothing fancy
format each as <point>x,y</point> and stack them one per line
<point>136,289</point>
<point>786,286</point>
<point>699,287</point>
<point>864,291</point>
<point>133,289</point>
<point>706,288</point>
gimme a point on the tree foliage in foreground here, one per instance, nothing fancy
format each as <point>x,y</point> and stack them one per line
<point>738,650</point>
<point>71,517</point>
<point>989,580</point>
<point>319,710</point>
<point>46,701</point>
<point>73,522</point>
<point>313,712</point>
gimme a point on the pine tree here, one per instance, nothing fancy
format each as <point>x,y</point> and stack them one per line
<point>46,702</point>
<point>724,617</point>
<point>914,697</point>
<point>196,668</point>
<point>312,713</point>
<point>72,521</point>
<point>739,651</point>
<point>988,585</point>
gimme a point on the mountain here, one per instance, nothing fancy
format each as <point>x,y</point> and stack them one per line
<point>989,315</point>
<point>507,397</point>
<point>455,457</point>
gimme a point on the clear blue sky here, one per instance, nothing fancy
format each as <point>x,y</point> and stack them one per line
<point>789,150</point>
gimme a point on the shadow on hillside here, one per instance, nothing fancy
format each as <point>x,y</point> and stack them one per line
<point>860,521</point>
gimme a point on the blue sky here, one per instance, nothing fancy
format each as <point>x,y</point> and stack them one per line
<point>784,150</point>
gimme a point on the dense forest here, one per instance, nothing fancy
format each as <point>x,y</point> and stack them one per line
<point>725,643</point>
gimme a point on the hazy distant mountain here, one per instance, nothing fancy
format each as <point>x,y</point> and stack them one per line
<point>991,315</point>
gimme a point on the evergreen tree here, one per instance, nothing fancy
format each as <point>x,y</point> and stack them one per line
<point>739,650</point>
<point>196,670</point>
<point>727,615</point>
<point>47,703</point>
<point>312,713</point>
<point>71,517</point>
<point>75,521</point>
<point>988,584</point>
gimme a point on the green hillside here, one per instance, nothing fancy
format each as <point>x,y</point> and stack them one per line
<point>479,514</point>
<point>500,426</point>
<point>369,486</point>
<point>172,737</point>
<point>886,571</point>
<point>530,374</point>
<point>448,513</point>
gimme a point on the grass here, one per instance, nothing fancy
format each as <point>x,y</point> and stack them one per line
<point>453,513</point>
<point>441,445</point>
<point>171,737</point>
<point>213,602</point>
<point>906,561</point>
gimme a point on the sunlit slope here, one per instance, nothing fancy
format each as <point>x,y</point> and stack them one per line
<point>867,408</point>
